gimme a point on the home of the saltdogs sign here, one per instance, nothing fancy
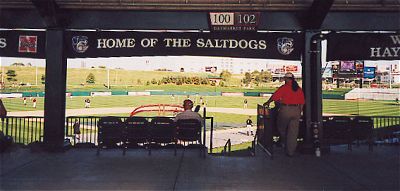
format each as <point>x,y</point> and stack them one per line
<point>287,46</point>
<point>363,46</point>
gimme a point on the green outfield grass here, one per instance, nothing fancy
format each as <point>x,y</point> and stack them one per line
<point>361,107</point>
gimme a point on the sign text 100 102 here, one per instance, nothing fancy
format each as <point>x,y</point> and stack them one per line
<point>234,21</point>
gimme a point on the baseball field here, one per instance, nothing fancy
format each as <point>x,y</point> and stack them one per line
<point>337,107</point>
<point>128,80</point>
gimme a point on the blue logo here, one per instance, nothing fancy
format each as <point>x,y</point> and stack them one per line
<point>80,43</point>
<point>285,45</point>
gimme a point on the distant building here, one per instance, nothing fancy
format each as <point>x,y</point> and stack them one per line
<point>214,79</point>
<point>217,64</point>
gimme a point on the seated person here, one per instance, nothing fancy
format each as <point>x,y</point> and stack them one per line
<point>188,113</point>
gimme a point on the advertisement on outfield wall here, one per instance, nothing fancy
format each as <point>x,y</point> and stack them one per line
<point>347,67</point>
<point>100,94</point>
<point>369,72</point>
<point>85,44</point>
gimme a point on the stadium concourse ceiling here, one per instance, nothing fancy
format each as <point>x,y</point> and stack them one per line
<point>275,15</point>
<point>231,5</point>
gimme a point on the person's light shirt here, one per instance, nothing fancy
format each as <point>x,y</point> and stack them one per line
<point>189,114</point>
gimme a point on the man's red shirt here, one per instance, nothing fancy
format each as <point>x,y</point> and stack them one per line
<point>286,95</point>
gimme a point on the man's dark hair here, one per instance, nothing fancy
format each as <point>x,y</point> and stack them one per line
<point>295,85</point>
<point>188,101</point>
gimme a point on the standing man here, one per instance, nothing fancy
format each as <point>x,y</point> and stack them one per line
<point>291,99</point>
<point>249,124</point>
<point>245,104</point>
<point>24,100</point>
<point>87,103</point>
<point>201,100</point>
<point>173,97</point>
<point>77,129</point>
<point>34,102</point>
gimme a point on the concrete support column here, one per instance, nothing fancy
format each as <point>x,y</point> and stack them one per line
<point>316,80</point>
<point>55,88</point>
<point>306,83</point>
<point>312,87</point>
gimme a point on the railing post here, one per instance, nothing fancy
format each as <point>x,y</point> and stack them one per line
<point>211,135</point>
<point>6,125</point>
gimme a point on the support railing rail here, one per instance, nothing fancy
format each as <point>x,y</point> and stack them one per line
<point>227,148</point>
<point>28,129</point>
<point>23,130</point>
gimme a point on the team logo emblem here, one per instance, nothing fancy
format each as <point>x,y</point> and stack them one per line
<point>285,45</point>
<point>27,44</point>
<point>80,43</point>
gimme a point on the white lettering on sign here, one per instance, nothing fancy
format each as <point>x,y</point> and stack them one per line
<point>116,43</point>
<point>395,39</point>
<point>3,42</point>
<point>148,42</point>
<point>231,43</point>
<point>387,52</point>
<point>177,42</point>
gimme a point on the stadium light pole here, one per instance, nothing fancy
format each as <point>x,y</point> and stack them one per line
<point>36,73</point>
<point>108,78</point>
<point>390,76</point>
<point>2,73</point>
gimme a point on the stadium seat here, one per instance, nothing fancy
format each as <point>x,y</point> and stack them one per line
<point>338,130</point>
<point>136,132</point>
<point>110,133</point>
<point>162,131</point>
<point>189,130</point>
<point>362,129</point>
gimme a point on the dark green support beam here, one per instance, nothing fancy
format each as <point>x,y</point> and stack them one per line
<point>312,87</point>
<point>55,89</point>
<point>317,13</point>
<point>50,13</point>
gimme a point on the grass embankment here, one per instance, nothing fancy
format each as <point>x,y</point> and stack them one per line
<point>128,80</point>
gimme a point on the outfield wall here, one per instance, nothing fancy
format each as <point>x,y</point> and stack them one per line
<point>11,95</point>
<point>160,92</point>
<point>373,94</point>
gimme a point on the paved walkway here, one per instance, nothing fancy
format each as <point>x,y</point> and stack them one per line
<point>81,169</point>
<point>237,136</point>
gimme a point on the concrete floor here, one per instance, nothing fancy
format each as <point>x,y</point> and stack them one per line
<point>81,169</point>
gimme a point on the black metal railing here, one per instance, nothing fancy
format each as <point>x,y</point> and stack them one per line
<point>88,129</point>
<point>28,129</point>
<point>24,130</point>
<point>379,121</point>
<point>227,148</point>
<point>386,121</point>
